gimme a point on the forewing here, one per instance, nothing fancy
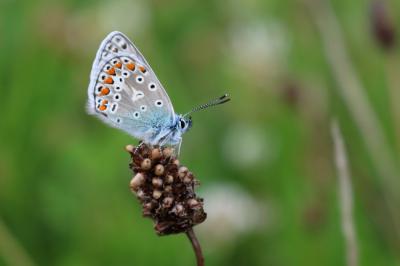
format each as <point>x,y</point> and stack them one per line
<point>124,91</point>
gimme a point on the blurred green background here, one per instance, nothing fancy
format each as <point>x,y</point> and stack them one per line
<point>265,160</point>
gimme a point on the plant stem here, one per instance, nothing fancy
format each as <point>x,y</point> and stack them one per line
<point>196,247</point>
<point>346,201</point>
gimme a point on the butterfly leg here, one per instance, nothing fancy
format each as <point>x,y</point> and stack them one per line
<point>138,147</point>
<point>178,147</point>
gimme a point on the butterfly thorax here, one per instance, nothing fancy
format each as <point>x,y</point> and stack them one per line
<point>171,135</point>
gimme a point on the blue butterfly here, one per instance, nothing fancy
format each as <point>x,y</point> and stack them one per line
<point>125,93</point>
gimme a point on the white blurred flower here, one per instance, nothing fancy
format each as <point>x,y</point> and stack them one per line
<point>245,146</point>
<point>259,47</point>
<point>231,211</point>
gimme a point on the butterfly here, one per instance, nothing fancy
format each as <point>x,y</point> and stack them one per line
<point>125,93</point>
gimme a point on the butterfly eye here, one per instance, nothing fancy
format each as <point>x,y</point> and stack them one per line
<point>139,79</point>
<point>152,86</point>
<point>159,103</point>
<point>182,123</point>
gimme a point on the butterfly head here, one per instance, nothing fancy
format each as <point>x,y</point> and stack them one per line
<point>184,123</point>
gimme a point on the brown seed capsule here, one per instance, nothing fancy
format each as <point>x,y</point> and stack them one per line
<point>167,152</point>
<point>140,194</point>
<point>130,148</point>
<point>159,169</point>
<point>167,202</point>
<point>157,194</point>
<point>168,189</point>
<point>147,207</point>
<point>193,203</point>
<point>169,179</point>
<point>188,178</point>
<point>146,164</point>
<point>182,172</point>
<point>137,181</point>
<point>157,182</point>
<point>156,154</point>
<point>178,209</point>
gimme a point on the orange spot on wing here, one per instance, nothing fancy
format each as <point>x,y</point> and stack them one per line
<point>119,65</point>
<point>142,69</point>
<point>104,91</point>
<point>103,108</point>
<point>130,66</point>
<point>111,71</point>
<point>109,80</point>
<point>104,102</point>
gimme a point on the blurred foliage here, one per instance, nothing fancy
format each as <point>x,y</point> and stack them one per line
<point>64,194</point>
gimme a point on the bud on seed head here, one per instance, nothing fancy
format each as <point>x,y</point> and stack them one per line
<point>156,154</point>
<point>157,194</point>
<point>167,202</point>
<point>193,203</point>
<point>182,172</point>
<point>167,152</point>
<point>137,181</point>
<point>157,182</point>
<point>169,179</point>
<point>146,164</point>
<point>168,189</point>
<point>130,148</point>
<point>159,169</point>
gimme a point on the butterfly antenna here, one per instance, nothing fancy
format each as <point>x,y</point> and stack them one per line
<point>220,100</point>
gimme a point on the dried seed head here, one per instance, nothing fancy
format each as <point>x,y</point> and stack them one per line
<point>159,169</point>
<point>182,172</point>
<point>167,152</point>
<point>156,153</point>
<point>169,179</point>
<point>157,194</point>
<point>146,164</point>
<point>157,182</point>
<point>165,189</point>
<point>137,181</point>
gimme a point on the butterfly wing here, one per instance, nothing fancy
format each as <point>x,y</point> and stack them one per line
<point>125,93</point>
